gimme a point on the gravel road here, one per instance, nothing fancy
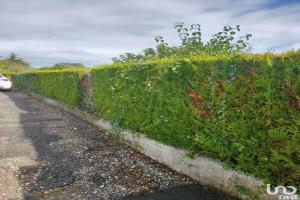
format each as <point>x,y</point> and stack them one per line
<point>46,153</point>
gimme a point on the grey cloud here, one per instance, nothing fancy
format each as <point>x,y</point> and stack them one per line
<point>93,31</point>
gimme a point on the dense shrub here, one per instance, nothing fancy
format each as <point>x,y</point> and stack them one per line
<point>62,85</point>
<point>244,111</point>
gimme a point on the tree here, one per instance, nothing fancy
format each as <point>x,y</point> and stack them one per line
<point>149,52</point>
<point>14,62</point>
<point>225,41</point>
<point>13,57</point>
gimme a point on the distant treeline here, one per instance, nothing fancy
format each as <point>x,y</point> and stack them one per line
<point>59,66</point>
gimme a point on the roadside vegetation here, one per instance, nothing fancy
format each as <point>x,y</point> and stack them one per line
<point>227,41</point>
<point>13,64</point>
<point>213,98</point>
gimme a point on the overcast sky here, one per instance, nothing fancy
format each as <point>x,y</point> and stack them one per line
<point>45,32</point>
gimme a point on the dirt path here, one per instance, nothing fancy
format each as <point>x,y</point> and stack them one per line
<point>48,154</point>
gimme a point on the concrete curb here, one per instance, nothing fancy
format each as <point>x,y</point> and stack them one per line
<point>204,170</point>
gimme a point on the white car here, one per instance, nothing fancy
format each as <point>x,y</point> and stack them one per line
<point>5,84</point>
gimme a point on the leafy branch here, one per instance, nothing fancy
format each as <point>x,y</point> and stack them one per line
<point>225,41</point>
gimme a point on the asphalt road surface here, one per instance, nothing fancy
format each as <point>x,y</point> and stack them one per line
<point>46,153</point>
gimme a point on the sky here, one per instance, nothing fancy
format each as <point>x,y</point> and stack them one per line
<point>45,32</point>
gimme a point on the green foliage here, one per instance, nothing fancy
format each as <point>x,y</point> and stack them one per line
<point>63,66</point>
<point>12,65</point>
<point>62,85</point>
<point>15,59</point>
<point>243,110</point>
<point>6,73</point>
<point>224,42</point>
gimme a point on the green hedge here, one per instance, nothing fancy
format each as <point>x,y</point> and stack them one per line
<point>244,111</point>
<point>62,85</point>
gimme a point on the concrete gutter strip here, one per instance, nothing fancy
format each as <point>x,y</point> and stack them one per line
<point>205,170</point>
